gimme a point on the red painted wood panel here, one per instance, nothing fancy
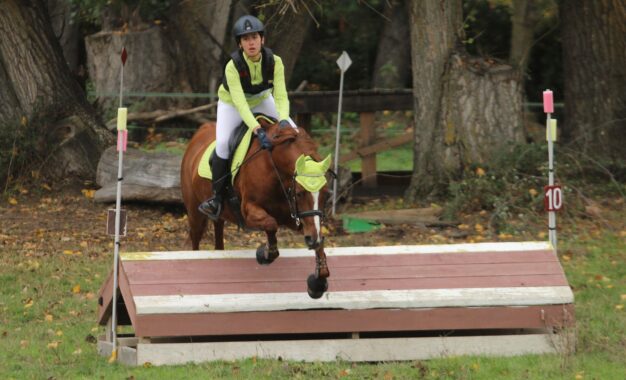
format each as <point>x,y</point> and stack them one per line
<point>339,284</point>
<point>325,321</point>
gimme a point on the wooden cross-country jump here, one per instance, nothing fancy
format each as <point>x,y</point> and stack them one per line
<point>383,303</point>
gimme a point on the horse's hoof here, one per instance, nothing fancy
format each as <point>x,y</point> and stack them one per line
<point>260,255</point>
<point>316,287</point>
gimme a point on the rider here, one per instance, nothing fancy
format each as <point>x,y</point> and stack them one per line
<point>254,81</point>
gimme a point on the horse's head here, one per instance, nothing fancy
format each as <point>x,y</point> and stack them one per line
<point>310,192</point>
<point>296,154</point>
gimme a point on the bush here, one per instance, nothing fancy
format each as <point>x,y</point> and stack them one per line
<point>512,185</point>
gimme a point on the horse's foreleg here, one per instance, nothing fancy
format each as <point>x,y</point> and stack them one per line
<point>321,267</point>
<point>256,217</point>
<point>218,234</point>
<point>197,227</point>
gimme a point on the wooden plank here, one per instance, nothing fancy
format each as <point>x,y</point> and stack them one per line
<point>199,274</point>
<point>338,284</point>
<point>283,263</point>
<point>367,137</point>
<point>354,300</point>
<point>345,251</point>
<point>354,350</point>
<point>348,321</point>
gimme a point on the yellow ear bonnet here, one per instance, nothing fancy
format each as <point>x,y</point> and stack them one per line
<point>310,173</point>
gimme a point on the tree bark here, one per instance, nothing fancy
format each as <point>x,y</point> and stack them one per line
<point>186,55</point>
<point>466,109</point>
<point>393,59</point>
<point>151,67</point>
<point>35,82</point>
<point>594,60</point>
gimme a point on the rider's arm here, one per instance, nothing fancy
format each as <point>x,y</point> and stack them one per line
<point>280,89</point>
<point>237,95</point>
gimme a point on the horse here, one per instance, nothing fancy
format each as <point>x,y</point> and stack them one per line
<point>272,190</point>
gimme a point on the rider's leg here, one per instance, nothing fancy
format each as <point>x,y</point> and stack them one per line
<point>227,120</point>
<point>268,107</point>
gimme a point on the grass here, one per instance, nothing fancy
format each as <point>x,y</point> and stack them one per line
<point>48,326</point>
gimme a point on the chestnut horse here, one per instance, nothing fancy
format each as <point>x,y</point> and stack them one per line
<point>269,193</point>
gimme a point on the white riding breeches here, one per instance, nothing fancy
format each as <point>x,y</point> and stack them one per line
<point>228,119</point>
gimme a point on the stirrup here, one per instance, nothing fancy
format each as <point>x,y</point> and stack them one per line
<point>212,208</point>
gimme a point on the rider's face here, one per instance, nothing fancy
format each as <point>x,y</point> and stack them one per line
<point>251,44</point>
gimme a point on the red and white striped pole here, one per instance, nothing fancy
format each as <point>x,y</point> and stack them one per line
<point>553,196</point>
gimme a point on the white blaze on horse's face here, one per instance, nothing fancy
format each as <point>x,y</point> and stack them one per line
<point>316,219</point>
<point>311,177</point>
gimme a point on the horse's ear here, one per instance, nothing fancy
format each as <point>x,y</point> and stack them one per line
<point>300,164</point>
<point>326,163</point>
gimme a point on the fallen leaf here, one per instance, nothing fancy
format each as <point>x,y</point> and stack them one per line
<point>77,352</point>
<point>53,345</point>
<point>49,318</point>
<point>89,194</point>
<point>46,187</point>
<point>76,289</point>
<point>619,307</point>
<point>29,303</point>
<point>23,343</point>
<point>480,171</point>
<point>623,297</point>
<point>59,333</point>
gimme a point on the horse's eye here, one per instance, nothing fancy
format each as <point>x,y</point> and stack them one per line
<point>300,194</point>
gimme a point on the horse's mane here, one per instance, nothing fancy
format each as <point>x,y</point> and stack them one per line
<point>301,139</point>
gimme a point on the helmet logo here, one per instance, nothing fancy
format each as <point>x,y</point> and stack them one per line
<point>247,25</point>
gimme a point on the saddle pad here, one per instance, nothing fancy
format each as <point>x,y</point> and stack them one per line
<point>204,169</point>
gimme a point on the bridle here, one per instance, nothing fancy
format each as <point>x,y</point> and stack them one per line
<point>290,196</point>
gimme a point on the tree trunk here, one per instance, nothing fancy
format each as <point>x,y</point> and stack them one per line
<point>524,18</point>
<point>198,31</point>
<point>393,60</point>
<point>466,109</point>
<point>151,67</point>
<point>35,82</point>
<point>184,56</point>
<point>285,33</point>
<point>66,31</point>
<point>594,59</point>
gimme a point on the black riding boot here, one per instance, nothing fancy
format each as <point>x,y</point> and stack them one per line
<point>212,207</point>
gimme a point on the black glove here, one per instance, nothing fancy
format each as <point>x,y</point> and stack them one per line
<point>265,141</point>
<point>284,124</point>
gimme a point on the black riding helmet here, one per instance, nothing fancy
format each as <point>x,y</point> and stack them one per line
<point>247,24</point>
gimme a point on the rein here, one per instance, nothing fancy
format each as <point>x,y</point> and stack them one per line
<point>290,196</point>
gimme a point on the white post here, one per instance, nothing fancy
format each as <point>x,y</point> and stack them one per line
<point>343,62</point>
<point>121,147</point>
<point>548,108</point>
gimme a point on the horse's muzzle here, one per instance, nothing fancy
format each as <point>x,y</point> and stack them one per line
<point>313,243</point>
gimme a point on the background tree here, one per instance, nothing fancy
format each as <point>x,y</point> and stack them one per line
<point>287,24</point>
<point>466,108</point>
<point>392,68</point>
<point>594,57</point>
<point>36,83</point>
